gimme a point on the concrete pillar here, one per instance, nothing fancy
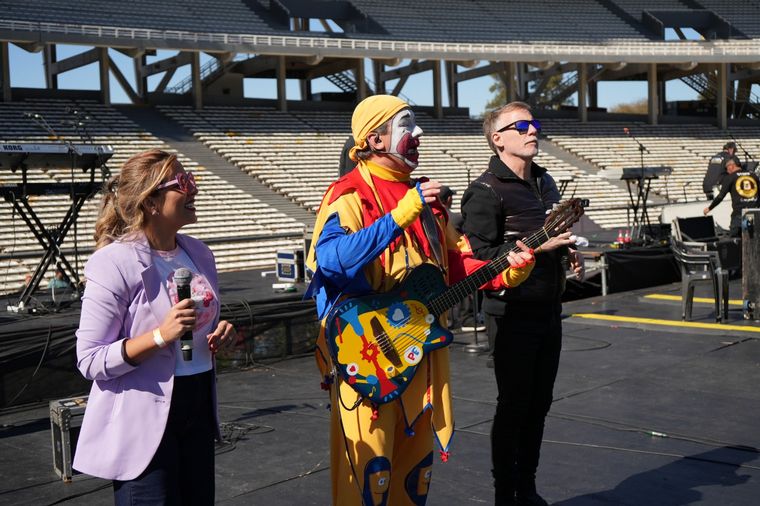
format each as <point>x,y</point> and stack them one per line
<point>141,83</point>
<point>593,94</point>
<point>452,84</point>
<point>196,90</point>
<point>361,81</point>
<point>722,96</point>
<point>5,72</point>
<point>582,92</point>
<point>49,57</point>
<point>305,85</point>
<point>377,70</point>
<point>653,103</point>
<point>511,81</point>
<point>105,76</point>
<point>282,97</point>
<point>437,98</point>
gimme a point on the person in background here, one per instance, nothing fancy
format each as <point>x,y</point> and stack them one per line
<point>465,315</point>
<point>151,417</point>
<point>368,237</point>
<point>27,280</point>
<point>58,281</point>
<point>346,164</point>
<point>716,169</point>
<point>743,187</point>
<point>509,201</point>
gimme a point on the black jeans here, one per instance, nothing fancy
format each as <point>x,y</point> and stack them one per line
<point>528,340</point>
<point>182,470</point>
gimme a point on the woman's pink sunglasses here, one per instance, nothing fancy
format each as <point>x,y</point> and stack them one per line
<point>185,181</point>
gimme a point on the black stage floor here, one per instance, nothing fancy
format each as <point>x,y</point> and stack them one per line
<point>647,411</point>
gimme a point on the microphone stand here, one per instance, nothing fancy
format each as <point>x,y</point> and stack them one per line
<point>747,156</point>
<point>477,346</point>
<point>642,193</point>
<point>74,153</point>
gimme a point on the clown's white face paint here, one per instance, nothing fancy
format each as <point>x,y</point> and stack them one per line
<point>405,138</point>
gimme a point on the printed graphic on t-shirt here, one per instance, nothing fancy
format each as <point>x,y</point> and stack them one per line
<point>202,295</point>
<point>746,187</point>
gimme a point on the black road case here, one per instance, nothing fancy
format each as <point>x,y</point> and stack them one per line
<point>65,421</point>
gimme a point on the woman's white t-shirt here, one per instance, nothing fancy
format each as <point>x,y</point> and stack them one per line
<point>167,262</point>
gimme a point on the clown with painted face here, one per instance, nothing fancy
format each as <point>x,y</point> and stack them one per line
<point>405,138</point>
<point>368,237</point>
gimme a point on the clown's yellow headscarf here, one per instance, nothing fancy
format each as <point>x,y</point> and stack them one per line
<point>370,114</point>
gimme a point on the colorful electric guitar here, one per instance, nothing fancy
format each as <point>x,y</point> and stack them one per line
<point>377,341</point>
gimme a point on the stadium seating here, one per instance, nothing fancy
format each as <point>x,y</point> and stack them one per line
<point>685,148</point>
<point>239,228</point>
<point>297,153</point>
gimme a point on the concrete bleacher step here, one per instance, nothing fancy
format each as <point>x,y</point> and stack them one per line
<point>557,151</point>
<point>184,142</point>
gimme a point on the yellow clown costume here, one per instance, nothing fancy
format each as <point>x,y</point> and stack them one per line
<point>368,237</point>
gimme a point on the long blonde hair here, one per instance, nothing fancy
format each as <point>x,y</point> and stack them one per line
<point>122,207</point>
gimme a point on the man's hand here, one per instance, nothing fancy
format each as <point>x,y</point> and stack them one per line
<point>430,191</point>
<point>577,264</point>
<point>520,266</point>
<point>562,239</point>
<point>706,210</point>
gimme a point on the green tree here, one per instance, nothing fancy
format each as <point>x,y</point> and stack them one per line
<point>499,92</point>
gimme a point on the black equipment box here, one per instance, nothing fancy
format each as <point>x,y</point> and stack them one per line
<point>65,421</point>
<point>750,264</point>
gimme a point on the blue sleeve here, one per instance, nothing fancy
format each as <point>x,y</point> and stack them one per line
<point>342,256</point>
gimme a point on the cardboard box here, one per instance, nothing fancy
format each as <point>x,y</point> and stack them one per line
<point>65,421</point>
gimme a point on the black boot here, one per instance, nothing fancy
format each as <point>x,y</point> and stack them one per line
<point>527,495</point>
<point>505,496</point>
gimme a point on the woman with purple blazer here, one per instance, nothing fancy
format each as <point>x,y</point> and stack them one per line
<point>151,418</point>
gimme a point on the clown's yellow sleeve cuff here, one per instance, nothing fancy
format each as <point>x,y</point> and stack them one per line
<point>408,208</point>
<point>512,276</point>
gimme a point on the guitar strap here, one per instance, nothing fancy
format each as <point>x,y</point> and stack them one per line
<point>430,226</point>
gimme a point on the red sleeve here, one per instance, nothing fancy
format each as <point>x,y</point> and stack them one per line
<point>462,264</point>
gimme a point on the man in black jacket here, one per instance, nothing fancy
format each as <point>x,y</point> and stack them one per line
<point>716,169</point>
<point>743,186</point>
<point>510,201</point>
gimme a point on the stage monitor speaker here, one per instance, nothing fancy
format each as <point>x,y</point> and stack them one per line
<point>750,265</point>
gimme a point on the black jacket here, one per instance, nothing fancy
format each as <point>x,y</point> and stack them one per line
<point>743,187</point>
<point>498,208</point>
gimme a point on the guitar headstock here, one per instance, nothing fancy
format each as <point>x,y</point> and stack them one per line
<point>564,215</point>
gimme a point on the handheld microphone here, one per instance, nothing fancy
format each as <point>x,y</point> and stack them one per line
<point>182,278</point>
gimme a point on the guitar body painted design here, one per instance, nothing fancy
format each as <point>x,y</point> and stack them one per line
<point>377,341</point>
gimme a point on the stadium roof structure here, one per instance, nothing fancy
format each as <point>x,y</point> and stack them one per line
<point>292,43</point>
<point>597,40</point>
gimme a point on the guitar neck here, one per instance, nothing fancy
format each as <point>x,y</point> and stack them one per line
<point>457,292</point>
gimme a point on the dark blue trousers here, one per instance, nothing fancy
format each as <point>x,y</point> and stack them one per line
<point>182,470</point>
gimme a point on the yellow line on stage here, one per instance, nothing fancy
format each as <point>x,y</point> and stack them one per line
<point>706,300</point>
<point>667,323</point>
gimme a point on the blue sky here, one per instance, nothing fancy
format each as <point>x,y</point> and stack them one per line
<point>27,72</point>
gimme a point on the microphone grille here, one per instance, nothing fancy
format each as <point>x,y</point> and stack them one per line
<point>182,276</point>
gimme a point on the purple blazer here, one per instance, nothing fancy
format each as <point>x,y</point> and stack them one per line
<point>128,406</point>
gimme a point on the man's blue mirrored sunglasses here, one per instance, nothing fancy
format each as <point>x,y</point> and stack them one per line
<point>522,126</point>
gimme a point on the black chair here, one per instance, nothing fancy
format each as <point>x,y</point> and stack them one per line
<point>699,266</point>
<point>700,233</point>
<point>695,229</point>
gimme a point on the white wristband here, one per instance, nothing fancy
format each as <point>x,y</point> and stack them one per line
<point>158,339</point>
